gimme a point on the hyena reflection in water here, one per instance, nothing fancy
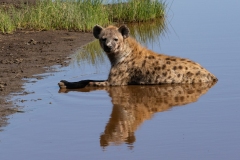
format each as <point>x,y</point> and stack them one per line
<point>132,105</point>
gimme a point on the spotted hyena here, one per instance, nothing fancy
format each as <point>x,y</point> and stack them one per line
<point>131,63</point>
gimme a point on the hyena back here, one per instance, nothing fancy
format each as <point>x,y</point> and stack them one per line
<point>132,63</point>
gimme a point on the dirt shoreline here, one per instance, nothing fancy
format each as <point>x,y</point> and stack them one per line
<point>26,53</point>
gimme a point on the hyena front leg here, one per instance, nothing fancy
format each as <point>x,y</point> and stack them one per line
<point>81,84</point>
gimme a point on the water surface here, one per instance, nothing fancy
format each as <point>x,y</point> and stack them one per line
<point>141,122</point>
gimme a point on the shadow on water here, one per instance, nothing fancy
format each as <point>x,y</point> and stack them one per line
<point>4,112</point>
<point>145,33</point>
<point>132,105</point>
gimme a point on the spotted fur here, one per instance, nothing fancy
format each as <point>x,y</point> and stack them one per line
<point>131,63</point>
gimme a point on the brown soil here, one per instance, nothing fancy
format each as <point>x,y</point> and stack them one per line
<point>26,53</point>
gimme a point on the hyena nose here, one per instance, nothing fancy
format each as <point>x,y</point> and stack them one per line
<point>109,45</point>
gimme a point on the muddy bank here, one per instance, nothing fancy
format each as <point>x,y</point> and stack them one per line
<point>26,53</point>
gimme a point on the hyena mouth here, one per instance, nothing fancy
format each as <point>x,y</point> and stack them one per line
<point>107,49</point>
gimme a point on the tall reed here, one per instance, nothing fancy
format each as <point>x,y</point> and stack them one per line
<point>6,23</point>
<point>70,15</point>
<point>78,15</point>
<point>135,10</point>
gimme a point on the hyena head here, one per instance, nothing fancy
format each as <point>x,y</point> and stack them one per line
<point>111,38</point>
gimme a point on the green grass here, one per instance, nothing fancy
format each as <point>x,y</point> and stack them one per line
<point>136,10</point>
<point>6,23</point>
<point>77,15</point>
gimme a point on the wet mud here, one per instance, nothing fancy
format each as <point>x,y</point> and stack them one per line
<point>26,53</point>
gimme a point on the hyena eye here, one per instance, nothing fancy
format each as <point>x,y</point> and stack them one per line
<point>115,39</point>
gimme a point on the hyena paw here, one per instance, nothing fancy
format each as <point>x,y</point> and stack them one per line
<point>63,84</point>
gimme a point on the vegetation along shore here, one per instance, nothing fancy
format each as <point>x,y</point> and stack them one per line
<point>76,15</point>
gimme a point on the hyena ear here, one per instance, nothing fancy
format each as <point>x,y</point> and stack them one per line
<point>97,30</point>
<point>124,30</point>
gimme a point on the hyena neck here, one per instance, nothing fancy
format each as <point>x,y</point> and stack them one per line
<point>120,55</point>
